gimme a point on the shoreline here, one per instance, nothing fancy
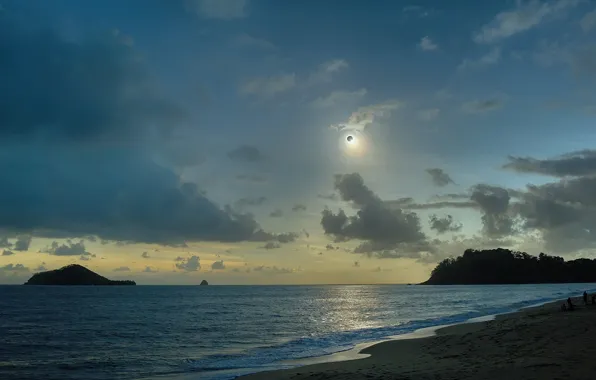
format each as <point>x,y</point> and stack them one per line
<point>537,342</point>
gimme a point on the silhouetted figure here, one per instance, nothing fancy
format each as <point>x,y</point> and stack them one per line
<point>569,304</point>
<point>563,307</point>
<point>586,298</point>
<point>593,299</point>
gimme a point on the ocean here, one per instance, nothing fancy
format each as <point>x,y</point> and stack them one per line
<point>218,332</point>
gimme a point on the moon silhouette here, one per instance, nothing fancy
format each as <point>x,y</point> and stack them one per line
<point>350,138</point>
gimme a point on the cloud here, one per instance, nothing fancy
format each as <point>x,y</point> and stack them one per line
<point>219,9</point>
<point>426,44</point>
<point>87,154</point>
<point>356,264</point>
<point>331,247</point>
<point>218,265</point>
<point>67,249</point>
<point>338,98</point>
<point>525,16</point>
<point>263,236</point>
<point>326,71</point>
<point>329,197</point>
<point>429,114</point>
<point>15,268</point>
<point>6,252</point>
<point>191,264</point>
<point>41,268</point>
<point>269,86</point>
<point>445,224</point>
<point>574,164</point>
<point>365,116</point>
<point>271,245</point>
<point>150,270</point>
<point>374,222</point>
<point>588,22</point>
<point>273,269</point>
<point>121,269</point>
<point>145,255</point>
<point>439,177</point>
<point>277,213</point>
<point>245,40</point>
<point>299,207</point>
<point>482,106</point>
<point>246,153</point>
<point>4,243</point>
<point>491,58</point>
<point>494,202</point>
<point>22,243</point>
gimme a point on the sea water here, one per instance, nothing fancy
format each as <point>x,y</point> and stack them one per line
<point>217,332</point>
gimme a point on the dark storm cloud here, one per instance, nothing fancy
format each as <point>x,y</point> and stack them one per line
<point>439,177</point>
<point>6,252</point>
<point>191,264</point>
<point>374,222</point>
<point>573,164</point>
<point>493,202</point>
<point>299,207</point>
<point>246,153</point>
<point>69,112</point>
<point>22,243</point>
<point>444,224</point>
<point>67,249</point>
<point>286,237</point>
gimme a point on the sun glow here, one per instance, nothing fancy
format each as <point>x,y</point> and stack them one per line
<point>353,143</point>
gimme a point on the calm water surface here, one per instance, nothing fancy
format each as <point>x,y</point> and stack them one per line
<point>142,331</point>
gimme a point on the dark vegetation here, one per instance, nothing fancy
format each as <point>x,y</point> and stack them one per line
<point>73,274</point>
<point>204,282</point>
<point>503,266</point>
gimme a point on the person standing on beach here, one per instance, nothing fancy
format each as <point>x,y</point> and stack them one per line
<point>586,298</point>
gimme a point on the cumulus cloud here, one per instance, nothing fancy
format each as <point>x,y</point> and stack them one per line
<point>271,245</point>
<point>145,255</point>
<point>22,243</point>
<point>218,265</point>
<point>365,116</point>
<point>337,98</point>
<point>246,153</point>
<point>482,106</point>
<point>286,237</point>
<point>491,58</point>
<point>331,247</point>
<point>494,202</point>
<point>273,269</point>
<point>219,9</point>
<point>150,270</point>
<point>525,16</point>
<point>121,269</point>
<point>41,267</point>
<point>190,264</point>
<point>6,252</point>
<point>444,224</point>
<point>375,222</point>
<point>439,177</point>
<point>426,44</point>
<point>574,164</point>
<point>4,243</point>
<point>67,249</point>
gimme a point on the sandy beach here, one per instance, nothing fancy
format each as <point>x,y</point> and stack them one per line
<point>536,343</point>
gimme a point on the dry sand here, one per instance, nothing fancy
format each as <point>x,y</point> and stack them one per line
<point>537,343</point>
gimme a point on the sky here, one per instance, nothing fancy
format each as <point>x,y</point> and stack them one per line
<point>270,142</point>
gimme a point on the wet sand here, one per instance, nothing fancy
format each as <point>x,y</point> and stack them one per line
<point>537,343</point>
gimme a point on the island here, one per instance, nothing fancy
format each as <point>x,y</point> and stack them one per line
<point>503,266</point>
<point>73,274</point>
<point>203,283</point>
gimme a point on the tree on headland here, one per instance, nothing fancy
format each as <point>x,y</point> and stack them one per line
<point>503,266</point>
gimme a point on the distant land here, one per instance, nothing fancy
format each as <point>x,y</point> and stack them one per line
<point>73,274</point>
<point>204,282</point>
<point>503,266</point>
